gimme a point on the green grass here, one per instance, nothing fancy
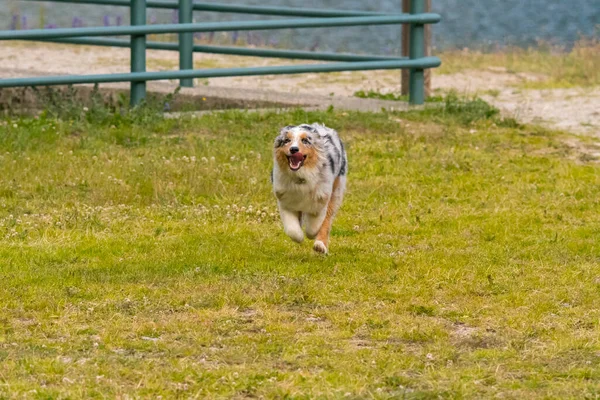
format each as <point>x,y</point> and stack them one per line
<point>372,94</point>
<point>554,67</point>
<point>142,257</point>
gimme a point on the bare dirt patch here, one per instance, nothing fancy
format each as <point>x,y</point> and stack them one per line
<point>575,110</point>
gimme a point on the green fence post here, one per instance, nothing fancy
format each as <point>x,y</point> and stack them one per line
<point>186,41</point>
<point>417,50</point>
<point>138,51</point>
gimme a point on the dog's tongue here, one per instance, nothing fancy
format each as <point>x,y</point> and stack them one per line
<point>296,159</point>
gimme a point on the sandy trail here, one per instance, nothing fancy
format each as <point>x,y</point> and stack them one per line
<point>575,110</point>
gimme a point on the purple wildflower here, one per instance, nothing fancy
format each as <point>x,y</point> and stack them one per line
<point>106,20</point>
<point>14,22</point>
<point>76,22</point>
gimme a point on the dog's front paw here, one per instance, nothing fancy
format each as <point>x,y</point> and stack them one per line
<point>295,234</point>
<point>320,247</point>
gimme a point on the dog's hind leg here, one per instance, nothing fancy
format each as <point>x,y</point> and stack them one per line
<point>291,224</point>
<point>322,241</point>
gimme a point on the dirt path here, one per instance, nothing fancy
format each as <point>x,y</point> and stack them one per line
<point>576,110</point>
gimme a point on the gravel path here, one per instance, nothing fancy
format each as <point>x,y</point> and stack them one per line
<point>576,110</point>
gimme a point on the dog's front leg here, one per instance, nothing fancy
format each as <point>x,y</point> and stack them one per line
<point>291,224</point>
<point>313,222</point>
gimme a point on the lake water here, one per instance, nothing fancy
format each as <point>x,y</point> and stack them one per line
<point>466,23</point>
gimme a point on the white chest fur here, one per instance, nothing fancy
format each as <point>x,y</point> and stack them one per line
<point>301,192</point>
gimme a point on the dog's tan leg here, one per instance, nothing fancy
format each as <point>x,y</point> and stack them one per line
<point>322,241</point>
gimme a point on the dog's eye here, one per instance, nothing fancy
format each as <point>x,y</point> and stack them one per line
<point>305,141</point>
<point>286,141</point>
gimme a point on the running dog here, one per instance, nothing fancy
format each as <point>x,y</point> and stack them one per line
<point>309,181</point>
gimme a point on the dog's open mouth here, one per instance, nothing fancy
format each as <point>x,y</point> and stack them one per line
<point>296,161</point>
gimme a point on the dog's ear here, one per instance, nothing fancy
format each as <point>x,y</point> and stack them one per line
<point>280,139</point>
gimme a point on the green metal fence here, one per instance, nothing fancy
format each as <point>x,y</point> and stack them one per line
<point>138,30</point>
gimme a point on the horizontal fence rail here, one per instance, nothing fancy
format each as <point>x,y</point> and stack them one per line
<point>219,26</point>
<point>232,50</point>
<point>428,62</point>
<point>417,62</point>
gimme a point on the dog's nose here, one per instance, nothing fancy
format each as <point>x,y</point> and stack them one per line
<point>294,150</point>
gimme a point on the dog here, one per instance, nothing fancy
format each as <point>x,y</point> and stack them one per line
<point>309,181</point>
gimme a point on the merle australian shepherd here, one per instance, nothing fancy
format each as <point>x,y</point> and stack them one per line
<point>309,180</point>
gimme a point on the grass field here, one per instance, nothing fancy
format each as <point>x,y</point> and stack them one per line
<point>142,257</point>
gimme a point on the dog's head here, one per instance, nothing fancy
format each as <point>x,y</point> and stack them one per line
<point>297,147</point>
